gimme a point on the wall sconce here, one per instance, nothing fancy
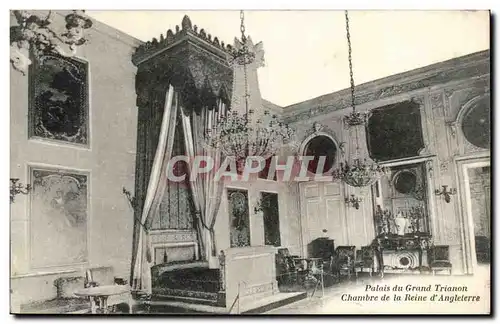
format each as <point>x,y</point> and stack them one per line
<point>17,188</point>
<point>131,199</point>
<point>446,193</point>
<point>353,201</point>
<point>34,34</point>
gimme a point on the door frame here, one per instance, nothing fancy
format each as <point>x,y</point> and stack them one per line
<point>468,242</point>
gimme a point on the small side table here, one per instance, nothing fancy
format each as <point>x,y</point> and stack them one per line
<point>99,296</point>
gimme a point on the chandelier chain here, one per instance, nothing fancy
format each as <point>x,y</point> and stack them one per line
<point>351,73</point>
<point>242,26</point>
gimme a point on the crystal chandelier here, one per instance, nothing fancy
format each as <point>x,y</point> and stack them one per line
<point>36,35</point>
<point>360,172</point>
<point>242,132</point>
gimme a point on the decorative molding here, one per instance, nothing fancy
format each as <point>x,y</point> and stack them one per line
<point>341,99</point>
<point>172,236</point>
<point>482,85</point>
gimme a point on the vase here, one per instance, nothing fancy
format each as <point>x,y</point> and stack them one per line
<point>401,223</point>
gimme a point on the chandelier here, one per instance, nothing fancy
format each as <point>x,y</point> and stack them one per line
<point>359,172</point>
<point>243,132</point>
<point>35,34</point>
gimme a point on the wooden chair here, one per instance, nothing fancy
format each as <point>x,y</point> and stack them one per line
<point>286,268</point>
<point>439,259</point>
<point>344,261</point>
<point>365,259</point>
<point>482,249</point>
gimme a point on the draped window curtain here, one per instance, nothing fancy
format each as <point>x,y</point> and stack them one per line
<point>207,193</point>
<point>143,254</point>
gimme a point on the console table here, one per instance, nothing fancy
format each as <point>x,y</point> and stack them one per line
<point>402,254</point>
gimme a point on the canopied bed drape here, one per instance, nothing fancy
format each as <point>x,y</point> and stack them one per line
<point>151,176</point>
<point>143,254</point>
<point>207,193</point>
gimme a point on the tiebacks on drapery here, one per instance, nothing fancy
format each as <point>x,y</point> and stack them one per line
<point>133,203</point>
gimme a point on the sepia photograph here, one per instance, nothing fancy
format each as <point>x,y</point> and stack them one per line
<point>250,162</point>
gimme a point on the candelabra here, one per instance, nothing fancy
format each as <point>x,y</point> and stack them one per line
<point>17,188</point>
<point>35,34</point>
<point>446,193</point>
<point>353,201</point>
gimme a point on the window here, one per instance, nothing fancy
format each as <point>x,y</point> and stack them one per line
<point>270,210</point>
<point>59,99</point>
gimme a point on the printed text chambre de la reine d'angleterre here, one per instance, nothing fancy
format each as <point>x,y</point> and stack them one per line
<point>413,293</point>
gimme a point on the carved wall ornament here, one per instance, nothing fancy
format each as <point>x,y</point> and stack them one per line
<point>430,169</point>
<point>418,100</point>
<point>444,165</point>
<point>342,148</point>
<point>317,127</point>
<point>36,35</point>
<point>453,128</point>
<point>436,100</point>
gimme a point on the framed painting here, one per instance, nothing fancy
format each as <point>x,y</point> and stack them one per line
<point>59,108</point>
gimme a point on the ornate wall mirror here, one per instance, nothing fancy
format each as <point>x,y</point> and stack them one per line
<point>317,147</point>
<point>402,207</point>
<point>476,123</point>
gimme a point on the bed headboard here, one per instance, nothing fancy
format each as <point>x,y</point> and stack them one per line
<point>174,246</point>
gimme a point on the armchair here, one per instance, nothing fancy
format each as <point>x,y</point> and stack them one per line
<point>439,259</point>
<point>365,259</point>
